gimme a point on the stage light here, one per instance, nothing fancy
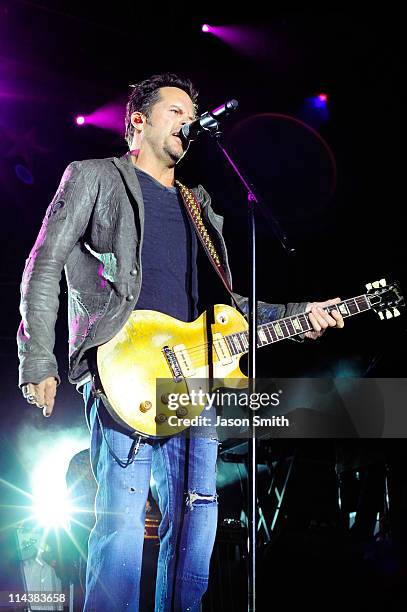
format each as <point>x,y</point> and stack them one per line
<point>108,117</point>
<point>51,503</point>
<point>319,101</point>
<point>80,120</point>
<point>315,110</point>
<point>253,41</point>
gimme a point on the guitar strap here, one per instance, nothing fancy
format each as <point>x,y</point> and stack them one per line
<point>194,212</point>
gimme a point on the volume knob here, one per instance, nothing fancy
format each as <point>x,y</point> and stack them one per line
<point>181,412</point>
<point>145,406</point>
<point>160,418</point>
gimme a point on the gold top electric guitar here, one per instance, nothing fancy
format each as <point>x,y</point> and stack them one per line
<point>155,355</point>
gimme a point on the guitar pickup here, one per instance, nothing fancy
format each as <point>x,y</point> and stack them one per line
<point>184,360</point>
<point>221,349</point>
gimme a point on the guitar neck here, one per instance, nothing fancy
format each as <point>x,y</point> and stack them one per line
<point>288,327</point>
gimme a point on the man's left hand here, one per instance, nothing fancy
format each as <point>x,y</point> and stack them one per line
<point>321,320</point>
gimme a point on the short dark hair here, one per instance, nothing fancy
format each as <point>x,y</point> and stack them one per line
<point>146,93</point>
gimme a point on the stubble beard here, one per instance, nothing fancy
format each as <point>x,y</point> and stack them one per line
<point>175,156</point>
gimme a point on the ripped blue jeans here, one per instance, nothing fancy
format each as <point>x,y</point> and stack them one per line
<point>184,470</point>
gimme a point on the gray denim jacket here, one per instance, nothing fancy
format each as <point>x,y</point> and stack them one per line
<point>93,228</point>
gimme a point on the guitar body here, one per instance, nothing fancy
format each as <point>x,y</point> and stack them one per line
<point>154,356</point>
<point>137,370</point>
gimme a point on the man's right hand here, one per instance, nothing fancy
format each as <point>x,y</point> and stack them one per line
<point>42,394</point>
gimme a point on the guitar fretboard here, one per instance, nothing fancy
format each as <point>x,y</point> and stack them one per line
<point>267,333</point>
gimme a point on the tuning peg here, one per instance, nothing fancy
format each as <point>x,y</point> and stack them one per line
<point>382,282</point>
<point>396,312</point>
<point>368,286</point>
<point>389,314</point>
<point>376,284</point>
<point>381,315</point>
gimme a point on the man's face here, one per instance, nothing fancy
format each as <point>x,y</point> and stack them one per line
<point>168,115</point>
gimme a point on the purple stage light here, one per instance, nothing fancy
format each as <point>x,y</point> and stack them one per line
<point>108,117</point>
<point>248,40</point>
<point>323,97</point>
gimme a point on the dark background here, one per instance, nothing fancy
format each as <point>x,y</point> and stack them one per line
<point>339,199</point>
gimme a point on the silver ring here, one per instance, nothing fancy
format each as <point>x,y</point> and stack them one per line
<point>26,390</point>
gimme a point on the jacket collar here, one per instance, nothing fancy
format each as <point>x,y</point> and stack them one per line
<point>126,169</point>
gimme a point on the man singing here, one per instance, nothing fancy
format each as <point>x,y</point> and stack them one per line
<point>119,228</point>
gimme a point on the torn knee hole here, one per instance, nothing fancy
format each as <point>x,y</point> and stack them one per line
<point>197,499</point>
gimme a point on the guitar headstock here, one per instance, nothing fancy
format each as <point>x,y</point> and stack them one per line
<point>385,298</point>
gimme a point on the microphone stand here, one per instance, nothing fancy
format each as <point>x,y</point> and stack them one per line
<point>210,124</point>
<point>252,202</point>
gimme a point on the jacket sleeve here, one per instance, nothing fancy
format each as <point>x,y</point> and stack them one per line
<point>64,223</point>
<point>270,312</point>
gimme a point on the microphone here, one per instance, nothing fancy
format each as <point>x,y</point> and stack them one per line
<point>207,122</point>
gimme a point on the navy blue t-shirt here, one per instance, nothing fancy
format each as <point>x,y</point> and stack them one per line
<point>169,253</point>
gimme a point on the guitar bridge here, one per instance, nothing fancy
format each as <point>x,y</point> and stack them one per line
<point>173,364</point>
